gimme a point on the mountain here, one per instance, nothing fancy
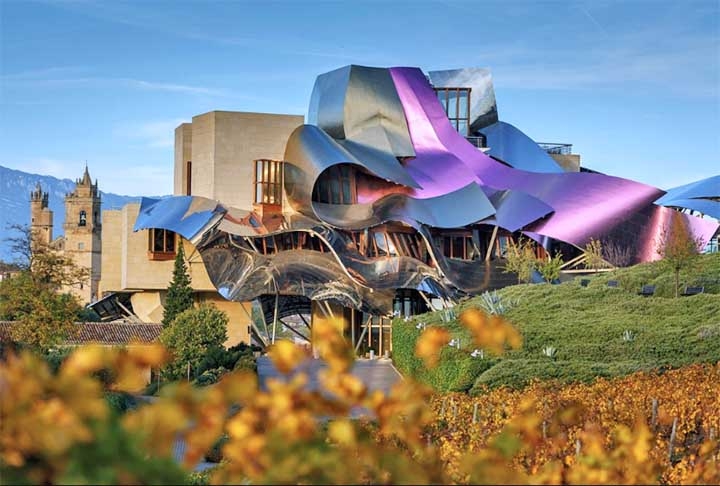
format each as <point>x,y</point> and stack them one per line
<point>15,188</point>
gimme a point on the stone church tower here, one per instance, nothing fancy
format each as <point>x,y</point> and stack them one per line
<point>41,218</point>
<point>83,234</point>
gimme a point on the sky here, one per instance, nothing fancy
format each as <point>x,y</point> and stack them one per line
<point>633,85</point>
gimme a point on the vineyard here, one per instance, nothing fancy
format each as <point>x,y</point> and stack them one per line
<point>57,428</point>
<point>644,428</point>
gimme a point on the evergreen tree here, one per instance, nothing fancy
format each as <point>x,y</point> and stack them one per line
<point>180,293</point>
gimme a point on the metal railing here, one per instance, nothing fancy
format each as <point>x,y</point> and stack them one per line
<point>479,142</point>
<point>556,148</point>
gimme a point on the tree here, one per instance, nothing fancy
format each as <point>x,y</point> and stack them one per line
<point>42,317</point>
<point>520,259</point>
<point>678,247</point>
<point>189,337</point>
<point>180,293</point>
<point>43,262</point>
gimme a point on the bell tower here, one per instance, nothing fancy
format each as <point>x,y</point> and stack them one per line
<point>41,218</point>
<point>83,234</point>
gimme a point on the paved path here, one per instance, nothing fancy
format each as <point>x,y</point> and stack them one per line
<point>377,374</point>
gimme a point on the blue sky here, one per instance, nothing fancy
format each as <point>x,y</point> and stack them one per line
<point>635,86</point>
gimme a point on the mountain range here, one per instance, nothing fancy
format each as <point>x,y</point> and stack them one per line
<point>15,188</point>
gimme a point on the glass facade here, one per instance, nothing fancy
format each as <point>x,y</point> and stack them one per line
<point>268,181</point>
<point>456,103</point>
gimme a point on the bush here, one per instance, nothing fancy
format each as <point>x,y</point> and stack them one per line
<point>457,369</point>
<point>120,402</point>
<point>190,336</point>
<point>208,377</point>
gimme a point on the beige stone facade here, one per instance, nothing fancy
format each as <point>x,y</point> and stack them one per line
<point>215,158</point>
<point>222,147</point>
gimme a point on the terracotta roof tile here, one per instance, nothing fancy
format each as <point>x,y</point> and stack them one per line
<point>102,332</point>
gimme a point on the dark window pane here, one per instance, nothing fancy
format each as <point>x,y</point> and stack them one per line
<point>169,241</point>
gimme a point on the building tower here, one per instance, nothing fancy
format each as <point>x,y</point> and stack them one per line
<point>41,218</point>
<point>83,234</point>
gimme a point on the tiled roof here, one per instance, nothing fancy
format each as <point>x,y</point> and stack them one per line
<point>102,333</point>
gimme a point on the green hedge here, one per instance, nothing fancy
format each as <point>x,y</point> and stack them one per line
<point>586,326</point>
<point>456,371</point>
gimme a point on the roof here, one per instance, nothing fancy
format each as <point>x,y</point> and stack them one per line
<point>109,333</point>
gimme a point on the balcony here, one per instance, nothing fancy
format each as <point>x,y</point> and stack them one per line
<point>479,142</point>
<point>556,148</point>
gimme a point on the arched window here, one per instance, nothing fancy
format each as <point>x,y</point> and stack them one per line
<point>83,219</point>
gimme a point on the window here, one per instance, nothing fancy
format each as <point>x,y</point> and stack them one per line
<point>336,185</point>
<point>81,246</point>
<point>268,181</point>
<point>188,178</point>
<point>83,218</point>
<point>458,245</point>
<point>161,244</point>
<point>456,103</point>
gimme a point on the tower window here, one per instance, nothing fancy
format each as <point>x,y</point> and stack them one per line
<point>456,103</point>
<point>83,219</point>
<point>268,181</point>
<point>161,244</point>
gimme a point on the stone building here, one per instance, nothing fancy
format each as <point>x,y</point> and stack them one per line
<point>215,157</point>
<point>82,241</point>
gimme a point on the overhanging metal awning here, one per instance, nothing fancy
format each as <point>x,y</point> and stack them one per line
<point>114,306</point>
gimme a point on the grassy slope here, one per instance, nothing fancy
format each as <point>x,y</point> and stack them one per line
<point>586,326</point>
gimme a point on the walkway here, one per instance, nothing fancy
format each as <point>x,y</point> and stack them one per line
<point>377,374</point>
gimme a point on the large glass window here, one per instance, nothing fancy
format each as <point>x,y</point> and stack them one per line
<point>268,181</point>
<point>336,186</point>
<point>456,103</point>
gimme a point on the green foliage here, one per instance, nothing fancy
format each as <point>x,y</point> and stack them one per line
<point>678,247</point>
<point>200,478</point>
<point>494,304</point>
<point>55,357</point>
<point>586,326</point>
<point>209,377</point>
<point>179,294</point>
<point>219,357</point>
<point>190,336</point>
<point>120,402</point>
<point>550,269</point>
<point>518,373</point>
<point>520,259</point>
<point>87,315</point>
<point>593,254</point>
<point>44,317</point>
<point>457,369</point>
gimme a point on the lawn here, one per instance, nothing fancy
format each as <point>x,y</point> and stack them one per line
<point>595,331</point>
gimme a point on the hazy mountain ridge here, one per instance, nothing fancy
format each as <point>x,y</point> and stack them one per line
<point>15,188</point>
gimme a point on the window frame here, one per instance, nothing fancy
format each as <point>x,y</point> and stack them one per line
<point>445,102</point>
<point>268,183</point>
<point>168,249</point>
